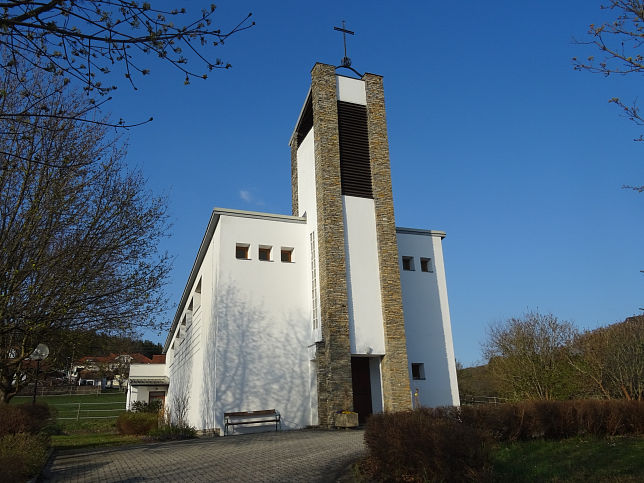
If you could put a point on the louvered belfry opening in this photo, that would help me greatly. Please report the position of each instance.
(355, 167)
(306, 121)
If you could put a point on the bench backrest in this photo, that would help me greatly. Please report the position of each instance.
(250, 414)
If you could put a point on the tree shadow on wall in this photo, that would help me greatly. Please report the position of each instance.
(255, 358)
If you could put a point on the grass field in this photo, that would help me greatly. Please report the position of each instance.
(85, 431)
(74, 398)
(81, 440)
(619, 459)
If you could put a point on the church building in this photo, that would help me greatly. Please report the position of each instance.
(332, 308)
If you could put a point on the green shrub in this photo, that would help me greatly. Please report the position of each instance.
(153, 406)
(426, 444)
(136, 423)
(454, 444)
(557, 419)
(168, 432)
(22, 455)
(26, 418)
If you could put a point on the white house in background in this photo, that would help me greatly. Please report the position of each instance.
(331, 308)
(147, 382)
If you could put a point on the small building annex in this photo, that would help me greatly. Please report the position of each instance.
(331, 308)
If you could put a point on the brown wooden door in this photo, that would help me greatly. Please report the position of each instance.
(157, 395)
(361, 383)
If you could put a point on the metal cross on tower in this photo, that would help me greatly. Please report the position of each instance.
(346, 61)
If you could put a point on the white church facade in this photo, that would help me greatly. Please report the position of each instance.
(330, 309)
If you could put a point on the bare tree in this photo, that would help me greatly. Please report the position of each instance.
(612, 359)
(527, 356)
(79, 232)
(95, 41)
(619, 42)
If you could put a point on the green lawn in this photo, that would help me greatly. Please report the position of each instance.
(108, 397)
(79, 440)
(85, 431)
(619, 459)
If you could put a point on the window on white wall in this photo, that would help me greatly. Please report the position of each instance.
(408, 263)
(286, 254)
(242, 251)
(197, 296)
(417, 370)
(314, 284)
(265, 253)
(426, 265)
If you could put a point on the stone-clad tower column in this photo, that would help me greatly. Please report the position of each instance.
(394, 367)
(334, 352)
(341, 179)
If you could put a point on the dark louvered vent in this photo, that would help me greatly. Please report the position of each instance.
(355, 169)
(306, 121)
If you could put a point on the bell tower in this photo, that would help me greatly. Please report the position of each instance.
(341, 180)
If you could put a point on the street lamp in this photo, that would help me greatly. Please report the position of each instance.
(40, 352)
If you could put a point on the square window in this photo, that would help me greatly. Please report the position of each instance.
(417, 370)
(408, 263)
(287, 254)
(265, 253)
(242, 251)
(426, 265)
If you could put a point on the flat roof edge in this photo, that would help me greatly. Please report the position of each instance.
(297, 123)
(259, 215)
(418, 231)
(203, 248)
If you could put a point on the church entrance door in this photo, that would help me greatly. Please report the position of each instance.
(361, 382)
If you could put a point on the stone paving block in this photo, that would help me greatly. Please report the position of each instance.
(306, 455)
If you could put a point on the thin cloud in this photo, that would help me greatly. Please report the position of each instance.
(246, 196)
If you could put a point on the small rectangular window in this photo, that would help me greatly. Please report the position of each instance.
(197, 295)
(417, 370)
(426, 265)
(408, 263)
(242, 250)
(265, 253)
(287, 254)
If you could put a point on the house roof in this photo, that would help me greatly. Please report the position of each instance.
(112, 357)
(149, 381)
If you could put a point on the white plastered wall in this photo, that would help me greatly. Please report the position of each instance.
(366, 334)
(307, 205)
(141, 393)
(185, 356)
(261, 322)
(208, 396)
(351, 90)
(427, 320)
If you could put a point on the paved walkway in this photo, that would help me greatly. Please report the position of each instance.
(306, 455)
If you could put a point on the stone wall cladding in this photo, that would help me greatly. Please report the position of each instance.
(334, 353)
(394, 368)
(294, 200)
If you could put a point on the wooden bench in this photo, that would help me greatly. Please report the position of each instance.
(252, 417)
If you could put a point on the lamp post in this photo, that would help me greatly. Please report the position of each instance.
(40, 352)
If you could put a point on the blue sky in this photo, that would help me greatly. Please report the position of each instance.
(494, 138)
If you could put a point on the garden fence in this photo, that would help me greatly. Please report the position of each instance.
(83, 410)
